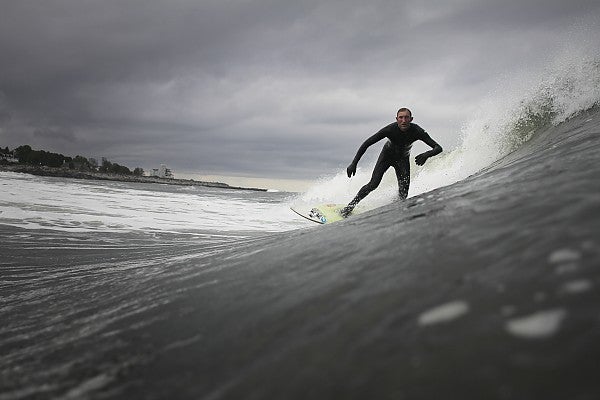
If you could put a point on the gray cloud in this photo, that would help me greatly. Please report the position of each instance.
(275, 89)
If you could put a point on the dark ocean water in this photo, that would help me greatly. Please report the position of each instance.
(488, 288)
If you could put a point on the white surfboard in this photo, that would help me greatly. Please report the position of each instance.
(321, 213)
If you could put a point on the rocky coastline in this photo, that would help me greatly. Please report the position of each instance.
(90, 175)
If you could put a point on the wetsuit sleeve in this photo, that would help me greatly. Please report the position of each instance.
(435, 147)
(370, 141)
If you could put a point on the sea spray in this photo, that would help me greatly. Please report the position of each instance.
(340, 189)
(513, 114)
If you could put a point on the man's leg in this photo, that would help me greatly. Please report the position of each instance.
(402, 168)
(383, 163)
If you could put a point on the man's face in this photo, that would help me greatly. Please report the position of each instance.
(404, 119)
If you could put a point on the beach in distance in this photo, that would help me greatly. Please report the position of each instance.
(67, 173)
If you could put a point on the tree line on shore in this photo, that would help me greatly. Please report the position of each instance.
(26, 155)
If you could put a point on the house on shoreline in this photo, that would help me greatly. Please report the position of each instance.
(162, 172)
(8, 158)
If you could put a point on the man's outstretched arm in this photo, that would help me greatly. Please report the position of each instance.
(435, 150)
(351, 170)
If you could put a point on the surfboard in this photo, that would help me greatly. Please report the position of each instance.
(321, 214)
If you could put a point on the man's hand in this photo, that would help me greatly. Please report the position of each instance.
(351, 170)
(421, 158)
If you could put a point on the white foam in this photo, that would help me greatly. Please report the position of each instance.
(443, 313)
(538, 325)
(35, 202)
(340, 189)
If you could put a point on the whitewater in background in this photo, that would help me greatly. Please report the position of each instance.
(81, 205)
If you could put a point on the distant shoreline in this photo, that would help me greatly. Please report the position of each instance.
(67, 173)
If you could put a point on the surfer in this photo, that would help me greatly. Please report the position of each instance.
(395, 153)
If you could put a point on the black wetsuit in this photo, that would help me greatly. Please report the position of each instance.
(395, 153)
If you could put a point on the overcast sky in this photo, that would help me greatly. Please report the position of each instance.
(258, 88)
